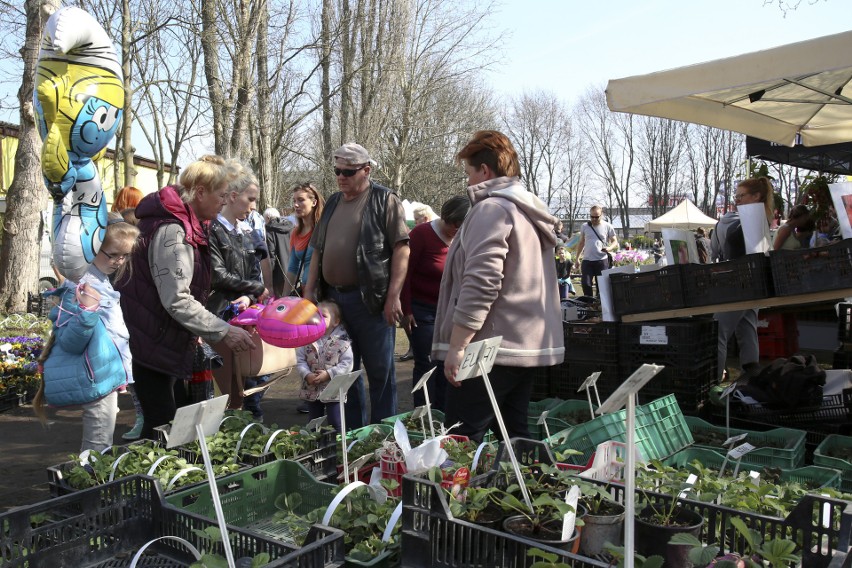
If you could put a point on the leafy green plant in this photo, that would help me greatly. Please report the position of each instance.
(776, 552)
(476, 501)
(212, 535)
(639, 561)
(548, 559)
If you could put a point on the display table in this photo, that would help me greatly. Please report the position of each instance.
(797, 300)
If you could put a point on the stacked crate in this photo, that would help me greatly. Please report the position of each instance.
(589, 347)
(843, 355)
(688, 349)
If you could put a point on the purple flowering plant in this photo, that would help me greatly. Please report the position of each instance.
(19, 363)
(625, 257)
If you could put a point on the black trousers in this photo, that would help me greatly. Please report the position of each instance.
(470, 405)
(160, 396)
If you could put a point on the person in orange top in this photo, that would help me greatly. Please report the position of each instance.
(307, 206)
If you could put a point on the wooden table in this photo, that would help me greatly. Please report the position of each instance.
(797, 300)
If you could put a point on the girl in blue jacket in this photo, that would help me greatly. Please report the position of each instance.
(88, 356)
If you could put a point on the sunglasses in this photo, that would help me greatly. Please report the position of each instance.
(594, 216)
(740, 196)
(347, 173)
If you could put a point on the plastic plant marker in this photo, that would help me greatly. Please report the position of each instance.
(421, 384)
(186, 543)
(591, 383)
(420, 413)
(734, 439)
(543, 420)
(478, 359)
(244, 432)
(335, 391)
(570, 519)
(358, 463)
(754, 478)
(736, 454)
(690, 481)
(624, 395)
(315, 424)
(726, 396)
(349, 488)
(205, 416)
(478, 453)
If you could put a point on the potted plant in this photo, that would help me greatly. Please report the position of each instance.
(775, 553)
(478, 506)
(543, 523)
(603, 522)
(659, 521)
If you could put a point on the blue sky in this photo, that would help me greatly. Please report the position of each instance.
(567, 46)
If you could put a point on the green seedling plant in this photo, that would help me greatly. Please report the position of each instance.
(547, 559)
(775, 553)
(618, 554)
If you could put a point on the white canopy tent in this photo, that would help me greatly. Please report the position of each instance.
(797, 89)
(685, 216)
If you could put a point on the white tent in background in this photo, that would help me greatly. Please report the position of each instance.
(684, 216)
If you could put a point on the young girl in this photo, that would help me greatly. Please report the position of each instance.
(88, 356)
(318, 362)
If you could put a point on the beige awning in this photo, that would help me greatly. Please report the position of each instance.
(801, 88)
(685, 216)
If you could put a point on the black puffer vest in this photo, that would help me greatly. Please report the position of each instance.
(157, 340)
(374, 251)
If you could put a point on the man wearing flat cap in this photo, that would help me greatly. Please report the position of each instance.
(360, 261)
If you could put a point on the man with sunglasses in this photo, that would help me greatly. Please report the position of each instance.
(597, 240)
(360, 261)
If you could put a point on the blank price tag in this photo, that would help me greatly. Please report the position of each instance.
(734, 439)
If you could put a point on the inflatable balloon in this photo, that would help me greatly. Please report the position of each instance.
(285, 322)
(78, 99)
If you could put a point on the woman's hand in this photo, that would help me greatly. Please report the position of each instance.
(408, 323)
(241, 303)
(452, 364)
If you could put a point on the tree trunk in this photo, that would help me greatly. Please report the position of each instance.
(27, 196)
(128, 151)
(210, 46)
(325, 94)
(263, 169)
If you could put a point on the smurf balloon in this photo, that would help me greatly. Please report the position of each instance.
(78, 98)
(285, 322)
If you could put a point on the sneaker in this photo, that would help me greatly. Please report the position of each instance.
(407, 356)
(136, 431)
(303, 408)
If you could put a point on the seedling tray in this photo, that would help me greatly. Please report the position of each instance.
(822, 457)
(779, 447)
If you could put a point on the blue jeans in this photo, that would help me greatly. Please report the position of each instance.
(252, 402)
(421, 346)
(373, 343)
(331, 410)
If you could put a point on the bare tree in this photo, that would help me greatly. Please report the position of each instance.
(611, 141)
(27, 196)
(658, 156)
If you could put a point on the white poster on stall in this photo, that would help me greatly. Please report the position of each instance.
(606, 292)
(680, 246)
(841, 195)
(755, 227)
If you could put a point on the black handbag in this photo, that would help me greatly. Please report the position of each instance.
(205, 358)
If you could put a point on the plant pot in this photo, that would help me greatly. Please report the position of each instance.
(491, 517)
(653, 538)
(549, 532)
(600, 528)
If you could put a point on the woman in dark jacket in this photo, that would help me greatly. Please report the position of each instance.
(236, 281)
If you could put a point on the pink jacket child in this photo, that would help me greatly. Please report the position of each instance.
(318, 362)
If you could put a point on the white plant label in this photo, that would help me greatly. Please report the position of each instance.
(653, 335)
(737, 453)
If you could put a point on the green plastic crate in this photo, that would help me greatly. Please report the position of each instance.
(585, 438)
(248, 500)
(666, 425)
(556, 417)
(534, 413)
(790, 455)
(822, 458)
(815, 475)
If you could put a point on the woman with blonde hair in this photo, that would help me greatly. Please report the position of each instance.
(728, 243)
(163, 303)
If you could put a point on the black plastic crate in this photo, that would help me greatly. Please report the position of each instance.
(809, 270)
(803, 525)
(38, 305)
(746, 278)
(591, 341)
(320, 460)
(540, 383)
(431, 537)
(690, 384)
(679, 343)
(106, 525)
(844, 323)
(659, 289)
(566, 378)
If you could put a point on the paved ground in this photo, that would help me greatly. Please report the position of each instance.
(27, 448)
